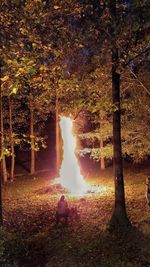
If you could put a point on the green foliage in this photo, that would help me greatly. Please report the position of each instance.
(49, 51)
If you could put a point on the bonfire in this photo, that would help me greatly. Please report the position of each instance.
(70, 178)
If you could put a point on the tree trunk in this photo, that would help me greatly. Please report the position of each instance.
(4, 169)
(1, 201)
(119, 215)
(3, 159)
(11, 141)
(102, 160)
(32, 166)
(57, 139)
(1, 122)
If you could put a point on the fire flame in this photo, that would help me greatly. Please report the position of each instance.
(70, 176)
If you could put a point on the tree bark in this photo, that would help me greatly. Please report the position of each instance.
(1, 201)
(11, 141)
(102, 160)
(3, 159)
(119, 215)
(57, 139)
(4, 170)
(32, 138)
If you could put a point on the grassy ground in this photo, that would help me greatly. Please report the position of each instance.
(30, 237)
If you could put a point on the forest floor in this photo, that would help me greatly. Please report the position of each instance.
(30, 237)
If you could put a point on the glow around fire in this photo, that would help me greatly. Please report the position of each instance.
(70, 176)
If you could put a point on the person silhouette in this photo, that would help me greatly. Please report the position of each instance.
(62, 210)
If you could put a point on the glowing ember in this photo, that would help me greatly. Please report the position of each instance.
(70, 176)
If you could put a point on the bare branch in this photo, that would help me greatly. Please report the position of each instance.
(134, 75)
(137, 55)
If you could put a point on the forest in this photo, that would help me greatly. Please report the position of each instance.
(75, 121)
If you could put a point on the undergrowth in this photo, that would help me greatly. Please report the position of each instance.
(30, 237)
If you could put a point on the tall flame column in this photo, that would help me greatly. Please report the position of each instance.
(70, 176)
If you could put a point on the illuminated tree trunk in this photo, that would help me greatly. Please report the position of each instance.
(11, 141)
(32, 166)
(102, 160)
(119, 215)
(1, 202)
(4, 169)
(3, 159)
(57, 139)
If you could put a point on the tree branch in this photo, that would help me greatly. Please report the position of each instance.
(137, 55)
(145, 88)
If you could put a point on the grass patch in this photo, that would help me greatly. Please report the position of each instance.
(30, 237)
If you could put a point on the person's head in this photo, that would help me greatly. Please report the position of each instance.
(62, 198)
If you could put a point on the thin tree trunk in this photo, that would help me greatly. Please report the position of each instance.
(11, 141)
(4, 169)
(119, 215)
(3, 164)
(32, 166)
(57, 139)
(1, 201)
(102, 160)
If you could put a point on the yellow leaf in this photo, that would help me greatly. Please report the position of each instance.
(14, 90)
(5, 78)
